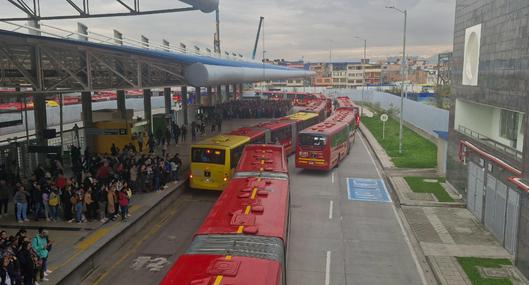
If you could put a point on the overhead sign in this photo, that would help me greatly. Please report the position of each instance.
(44, 149)
(384, 117)
(106, 132)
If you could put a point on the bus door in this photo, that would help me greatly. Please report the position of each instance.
(294, 134)
(268, 136)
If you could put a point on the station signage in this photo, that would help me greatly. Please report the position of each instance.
(106, 132)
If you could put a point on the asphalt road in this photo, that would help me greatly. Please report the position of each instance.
(147, 258)
(333, 240)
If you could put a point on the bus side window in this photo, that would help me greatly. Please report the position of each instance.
(236, 154)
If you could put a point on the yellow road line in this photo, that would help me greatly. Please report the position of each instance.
(247, 210)
(218, 280)
(240, 229)
(93, 238)
(150, 233)
(254, 192)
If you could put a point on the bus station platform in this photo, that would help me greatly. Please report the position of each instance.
(79, 248)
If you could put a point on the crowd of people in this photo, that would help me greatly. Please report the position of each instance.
(254, 109)
(24, 258)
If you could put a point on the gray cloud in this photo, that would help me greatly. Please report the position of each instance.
(293, 28)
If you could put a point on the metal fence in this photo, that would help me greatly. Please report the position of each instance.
(426, 117)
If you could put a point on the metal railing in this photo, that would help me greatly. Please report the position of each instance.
(15, 149)
(103, 39)
(507, 150)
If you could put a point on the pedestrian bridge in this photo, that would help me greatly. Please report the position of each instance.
(55, 60)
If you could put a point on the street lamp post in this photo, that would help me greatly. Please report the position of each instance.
(403, 75)
(363, 72)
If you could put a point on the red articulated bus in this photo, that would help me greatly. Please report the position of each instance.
(324, 145)
(282, 132)
(317, 106)
(345, 103)
(243, 239)
(257, 135)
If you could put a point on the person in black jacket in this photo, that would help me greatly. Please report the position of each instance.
(27, 263)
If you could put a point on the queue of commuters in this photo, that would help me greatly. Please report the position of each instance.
(24, 258)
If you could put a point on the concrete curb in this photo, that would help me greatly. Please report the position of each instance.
(77, 270)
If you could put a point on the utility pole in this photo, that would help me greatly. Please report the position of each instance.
(363, 71)
(216, 40)
(403, 77)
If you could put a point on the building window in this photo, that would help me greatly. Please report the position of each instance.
(509, 125)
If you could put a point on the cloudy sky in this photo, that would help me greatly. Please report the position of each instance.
(293, 28)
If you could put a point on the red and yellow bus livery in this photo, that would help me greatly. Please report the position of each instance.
(244, 237)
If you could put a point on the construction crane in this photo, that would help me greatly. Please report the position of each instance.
(257, 37)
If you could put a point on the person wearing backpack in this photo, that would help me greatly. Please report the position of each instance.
(53, 203)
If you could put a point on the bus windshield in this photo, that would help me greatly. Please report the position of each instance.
(312, 140)
(208, 155)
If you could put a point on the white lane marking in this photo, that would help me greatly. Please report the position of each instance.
(408, 242)
(332, 177)
(328, 268)
(331, 203)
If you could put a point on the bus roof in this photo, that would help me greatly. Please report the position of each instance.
(263, 157)
(276, 124)
(343, 115)
(325, 128)
(235, 212)
(251, 132)
(204, 269)
(224, 141)
(315, 106)
(302, 116)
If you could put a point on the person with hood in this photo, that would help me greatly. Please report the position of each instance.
(27, 263)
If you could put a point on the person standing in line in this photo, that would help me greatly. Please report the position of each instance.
(40, 245)
(184, 132)
(111, 209)
(90, 204)
(124, 204)
(140, 142)
(26, 263)
(101, 197)
(53, 203)
(193, 131)
(4, 197)
(21, 201)
(176, 132)
(168, 135)
(67, 203)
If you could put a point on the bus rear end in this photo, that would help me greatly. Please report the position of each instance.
(210, 168)
(312, 151)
